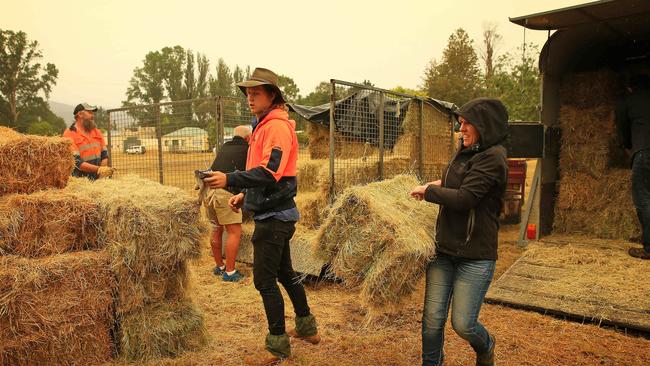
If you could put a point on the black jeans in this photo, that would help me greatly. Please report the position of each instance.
(641, 193)
(272, 263)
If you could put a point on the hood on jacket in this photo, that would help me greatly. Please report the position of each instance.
(490, 118)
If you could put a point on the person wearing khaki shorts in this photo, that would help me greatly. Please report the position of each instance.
(231, 157)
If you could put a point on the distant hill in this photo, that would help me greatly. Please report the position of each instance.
(62, 110)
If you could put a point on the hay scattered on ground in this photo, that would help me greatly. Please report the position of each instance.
(594, 197)
(31, 163)
(48, 222)
(594, 278)
(349, 341)
(376, 236)
(56, 309)
(162, 330)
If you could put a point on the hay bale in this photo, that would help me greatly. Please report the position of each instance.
(588, 139)
(161, 330)
(590, 89)
(375, 236)
(313, 207)
(32, 163)
(47, 223)
(437, 147)
(600, 207)
(160, 226)
(311, 174)
(344, 147)
(56, 309)
(151, 231)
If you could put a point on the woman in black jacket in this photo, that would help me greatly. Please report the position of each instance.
(470, 198)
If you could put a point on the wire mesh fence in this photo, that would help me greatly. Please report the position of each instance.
(378, 134)
(166, 142)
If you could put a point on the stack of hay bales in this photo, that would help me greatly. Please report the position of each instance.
(594, 195)
(437, 144)
(56, 302)
(379, 239)
(83, 265)
(319, 144)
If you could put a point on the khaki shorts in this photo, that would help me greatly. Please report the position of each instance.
(216, 207)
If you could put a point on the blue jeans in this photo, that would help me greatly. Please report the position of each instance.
(463, 283)
(641, 193)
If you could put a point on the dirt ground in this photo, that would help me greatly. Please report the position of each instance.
(236, 324)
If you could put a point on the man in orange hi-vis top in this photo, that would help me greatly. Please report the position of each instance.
(270, 186)
(88, 146)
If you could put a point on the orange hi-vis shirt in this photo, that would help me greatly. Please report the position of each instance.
(274, 145)
(86, 148)
(270, 176)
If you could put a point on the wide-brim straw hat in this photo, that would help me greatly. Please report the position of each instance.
(261, 76)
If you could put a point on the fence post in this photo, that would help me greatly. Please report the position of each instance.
(421, 157)
(220, 122)
(332, 130)
(110, 143)
(217, 131)
(159, 136)
(381, 136)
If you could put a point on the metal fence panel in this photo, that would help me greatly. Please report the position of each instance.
(378, 134)
(166, 142)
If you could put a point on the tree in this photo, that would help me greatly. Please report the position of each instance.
(403, 90)
(223, 84)
(22, 77)
(491, 40)
(516, 83)
(456, 78)
(42, 128)
(320, 95)
(288, 87)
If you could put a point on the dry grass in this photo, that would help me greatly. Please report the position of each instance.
(56, 309)
(594, 198)
(151, 231)
(236, 324)
(376, 236)
(48, 222)
(31, 163)
(577, 265)
(162, 330)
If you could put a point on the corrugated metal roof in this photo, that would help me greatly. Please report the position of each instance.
(602, 11)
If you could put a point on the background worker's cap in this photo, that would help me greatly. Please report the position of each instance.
(83, 107)
(262, 76)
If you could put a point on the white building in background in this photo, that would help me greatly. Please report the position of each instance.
(187, 139)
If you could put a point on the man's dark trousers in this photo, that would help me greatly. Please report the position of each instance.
(272, 263)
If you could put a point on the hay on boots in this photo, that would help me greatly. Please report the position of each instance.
(57, 309)
(31, 163)
(48, 222)
(161, 330)
(376, 236)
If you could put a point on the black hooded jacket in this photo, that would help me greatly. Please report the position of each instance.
(473, 185)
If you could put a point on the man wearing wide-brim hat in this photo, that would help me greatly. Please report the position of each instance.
(270, 187)
(88, 145)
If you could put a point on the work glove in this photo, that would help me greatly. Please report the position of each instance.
(105, 172)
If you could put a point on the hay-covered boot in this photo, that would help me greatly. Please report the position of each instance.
(278, 348)
(487, 358)
(306, 329)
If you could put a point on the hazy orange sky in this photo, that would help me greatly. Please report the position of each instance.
(97, 44)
